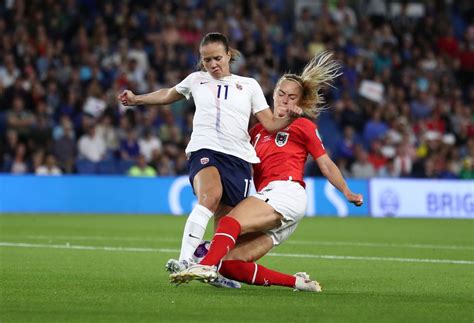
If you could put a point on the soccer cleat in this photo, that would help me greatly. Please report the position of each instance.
(224, 282)
(205, 274)
(304, 283)
(174, 266)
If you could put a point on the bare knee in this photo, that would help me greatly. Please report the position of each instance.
(208, 188)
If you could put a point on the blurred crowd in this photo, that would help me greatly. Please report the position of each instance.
(404, 106)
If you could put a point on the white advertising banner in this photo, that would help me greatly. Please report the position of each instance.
(422, 198)
(372, 90)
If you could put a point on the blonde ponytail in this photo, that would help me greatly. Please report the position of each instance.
(318, 74)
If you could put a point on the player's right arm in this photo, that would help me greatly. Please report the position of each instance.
(160, 97)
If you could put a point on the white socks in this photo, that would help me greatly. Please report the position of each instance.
(194, 231)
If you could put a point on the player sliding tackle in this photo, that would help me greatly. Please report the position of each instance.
(269, 217)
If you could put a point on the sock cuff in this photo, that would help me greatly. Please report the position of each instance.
(200, 215)
(229, 225)
(204, 210)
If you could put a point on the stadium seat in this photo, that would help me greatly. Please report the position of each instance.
(107, 167)
(124, 166)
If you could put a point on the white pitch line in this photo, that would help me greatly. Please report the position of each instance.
(296, 242)
(332, 257)
(289, 255)
(380, 245)
(69, 246)
(97, 238)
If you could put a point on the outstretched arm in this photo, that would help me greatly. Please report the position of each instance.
(272, 123)
(160, 97)
(333, 174)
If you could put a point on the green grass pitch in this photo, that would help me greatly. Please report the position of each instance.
(110, 268)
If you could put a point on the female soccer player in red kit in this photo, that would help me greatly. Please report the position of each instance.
(269, 217)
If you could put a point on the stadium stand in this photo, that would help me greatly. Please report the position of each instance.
(404, 106)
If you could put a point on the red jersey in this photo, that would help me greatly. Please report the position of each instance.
(283, 154)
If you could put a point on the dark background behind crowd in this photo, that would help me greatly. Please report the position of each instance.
(404, 106)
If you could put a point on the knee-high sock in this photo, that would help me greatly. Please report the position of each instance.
(255, 274)
(194, 231)
(224, 239)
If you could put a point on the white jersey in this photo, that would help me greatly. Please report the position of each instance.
(223, 108)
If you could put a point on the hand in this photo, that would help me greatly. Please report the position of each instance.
(294, 111)
(356, 199)
(127, 98)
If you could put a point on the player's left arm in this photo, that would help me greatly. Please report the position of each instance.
(334, 175)
(272, 124)
(329, 169)
(265, 116)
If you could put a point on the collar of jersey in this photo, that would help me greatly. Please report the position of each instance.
(222, 78)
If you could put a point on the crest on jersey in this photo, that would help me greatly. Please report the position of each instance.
(204, 160)
(239, 87)
(281, 138)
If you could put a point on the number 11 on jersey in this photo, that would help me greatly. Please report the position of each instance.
(226, 87)
(248, 182)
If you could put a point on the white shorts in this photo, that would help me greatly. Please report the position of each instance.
(289, 199)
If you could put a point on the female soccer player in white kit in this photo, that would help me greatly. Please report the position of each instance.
(219, 151)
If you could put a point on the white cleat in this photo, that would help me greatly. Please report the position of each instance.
(224, 282)
(203, 273)
(304, 283)
(175, 266)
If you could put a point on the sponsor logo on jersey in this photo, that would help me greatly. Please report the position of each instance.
(204, 160)
(281, 138)
(239, 87)
(267, 138)
(204, 82)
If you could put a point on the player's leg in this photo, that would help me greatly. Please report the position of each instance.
(268, 211)
(239, 264)
(219, 181)
(255, 274)
(222, 210)
(224, 239)
(250, 215)
(208, 190)
(236, 178)
(222, 281)
(250, 247)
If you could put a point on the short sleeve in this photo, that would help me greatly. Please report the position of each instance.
(184, 87)
(314, 143)
(259, 102)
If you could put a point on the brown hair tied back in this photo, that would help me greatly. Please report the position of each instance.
(222, 39)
